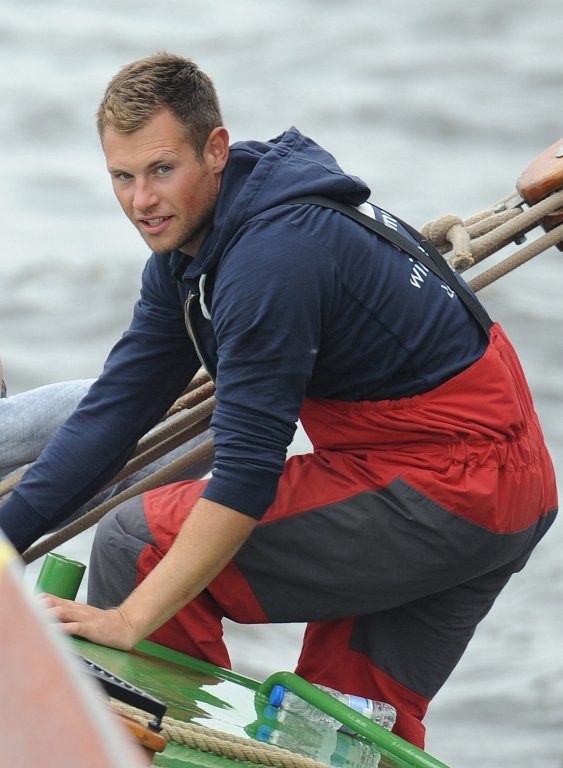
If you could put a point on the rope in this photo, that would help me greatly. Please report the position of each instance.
(177, 438)
(466, 243)
(553, 237)
(11, 480)
(160, 440)
(437, 230)
(161, 477)
(488, 223)
(199, 382)
(164, 438)
(509, 230)
(499, 205)
(206, 739)
(460, 236)
(176, 430)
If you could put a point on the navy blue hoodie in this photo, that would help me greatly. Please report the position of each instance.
(282, 302)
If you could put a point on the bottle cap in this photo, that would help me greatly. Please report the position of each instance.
(263, 733)
(276, 695)
(270, 712)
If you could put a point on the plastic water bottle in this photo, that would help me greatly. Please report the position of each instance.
(293, 732)
(377, 711)
(318, 741)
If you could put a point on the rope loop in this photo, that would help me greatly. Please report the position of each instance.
(462, 260)
(437, 230)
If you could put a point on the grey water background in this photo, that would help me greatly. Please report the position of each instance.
(438, 105)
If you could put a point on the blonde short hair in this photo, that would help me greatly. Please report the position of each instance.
(162, 81)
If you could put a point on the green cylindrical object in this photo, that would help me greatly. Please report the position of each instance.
(60, 576)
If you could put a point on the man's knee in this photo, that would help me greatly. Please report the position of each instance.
(120, 538)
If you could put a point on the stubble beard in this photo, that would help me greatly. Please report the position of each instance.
(194, 235)
(195, 231)
(189, 241)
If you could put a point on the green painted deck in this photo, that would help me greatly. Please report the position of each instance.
(198, 692)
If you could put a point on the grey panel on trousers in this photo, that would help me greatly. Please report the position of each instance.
(120, 538)
(420, 643)
(369, 553)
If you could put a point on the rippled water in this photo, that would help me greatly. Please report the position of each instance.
(439, 105)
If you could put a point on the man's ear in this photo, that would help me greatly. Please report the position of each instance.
(216, 150)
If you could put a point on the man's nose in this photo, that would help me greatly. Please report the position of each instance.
(144, 198)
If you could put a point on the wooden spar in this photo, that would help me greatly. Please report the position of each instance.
(542, 178)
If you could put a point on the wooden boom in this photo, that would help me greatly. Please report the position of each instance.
(543, 177)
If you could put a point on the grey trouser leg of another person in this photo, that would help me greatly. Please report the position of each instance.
(120, 538)
(30, 419)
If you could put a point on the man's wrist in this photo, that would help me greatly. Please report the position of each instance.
(133, 635)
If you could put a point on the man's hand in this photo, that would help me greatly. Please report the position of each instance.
(109, 627)
(209, 538)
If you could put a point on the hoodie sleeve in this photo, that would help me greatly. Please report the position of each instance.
(274, 294)
(145, 372)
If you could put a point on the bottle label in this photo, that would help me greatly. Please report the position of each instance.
(361, 705)
(358, 704)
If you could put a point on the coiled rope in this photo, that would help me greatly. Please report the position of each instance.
(206, 739)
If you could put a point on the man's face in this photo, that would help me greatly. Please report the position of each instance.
(164, 189)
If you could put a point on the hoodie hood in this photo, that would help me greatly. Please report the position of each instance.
(261, 175)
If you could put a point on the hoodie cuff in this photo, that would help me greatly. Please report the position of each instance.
(20, 522)
(248, 493)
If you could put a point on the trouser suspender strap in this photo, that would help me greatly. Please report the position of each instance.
(424, 252)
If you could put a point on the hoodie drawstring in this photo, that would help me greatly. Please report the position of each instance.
(204, 310)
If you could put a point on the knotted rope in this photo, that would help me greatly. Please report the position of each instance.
(206, 739)
(466, 243)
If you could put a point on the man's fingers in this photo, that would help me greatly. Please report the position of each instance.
(50, 601)
(76, 629)
(106, 627)
(64, 610)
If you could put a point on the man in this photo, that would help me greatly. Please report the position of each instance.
(429, 484)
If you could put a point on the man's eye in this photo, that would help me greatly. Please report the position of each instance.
(163, 169)
(122, 176)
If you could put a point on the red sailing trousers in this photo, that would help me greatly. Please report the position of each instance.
(392, 539)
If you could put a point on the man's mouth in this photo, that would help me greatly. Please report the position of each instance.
(154, 225)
